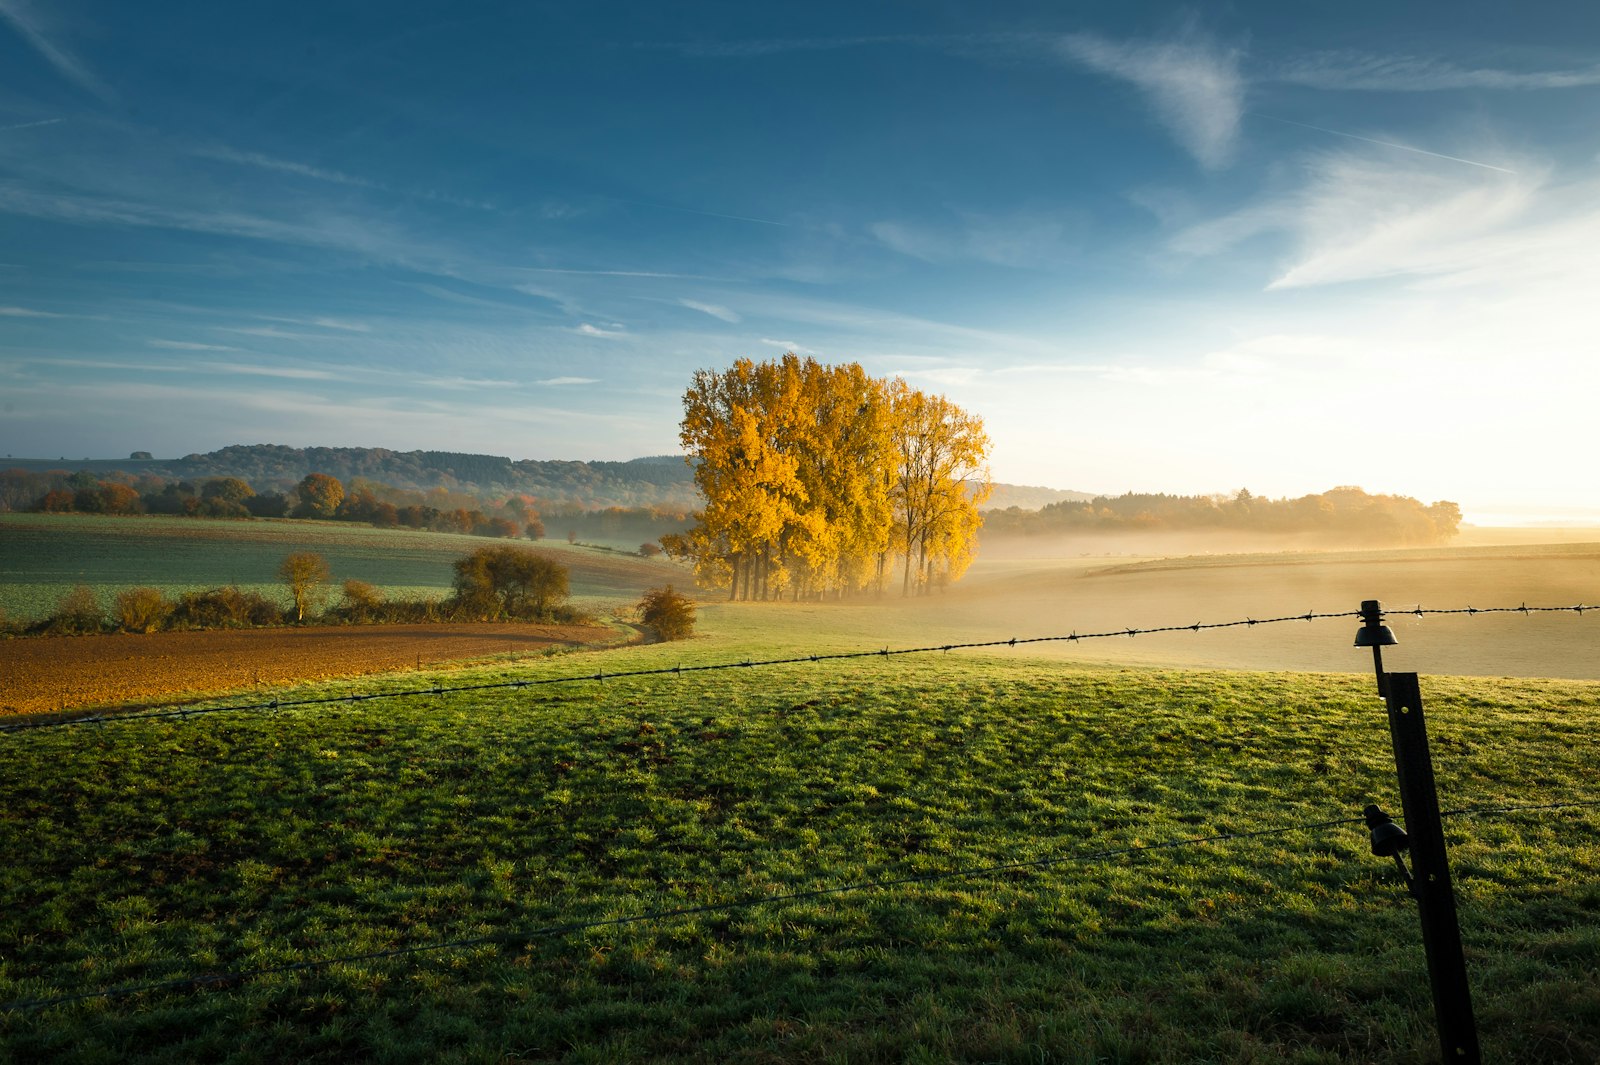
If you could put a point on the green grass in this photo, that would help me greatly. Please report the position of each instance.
(139, 851)
(47, 554)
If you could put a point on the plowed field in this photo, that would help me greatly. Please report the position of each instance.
(65, 672)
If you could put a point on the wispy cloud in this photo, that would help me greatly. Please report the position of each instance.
(31, 125)
(27, 312)
(188, 345)
(463, 383)
(1385, 144)
(290, 372)
(1368, 216)
(557, 382)
(22, 18)
(268, 331)
(715, 310)
(295, 373)
(285, 166)
(1019, 239)
(1192, 81)
(620, 273)
(1344, 71)
(341, 232)
(335, 177)
(344, 325)
(595, 331)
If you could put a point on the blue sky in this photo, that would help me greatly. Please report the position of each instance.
(1280, 246)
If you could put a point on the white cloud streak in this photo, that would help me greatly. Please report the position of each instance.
(595, 331)
(1192, 82)
(27, 312)
(22, 19)
(1355, 71)
(1385, 144)
(31, 125)
(187, 345)
(715, 310)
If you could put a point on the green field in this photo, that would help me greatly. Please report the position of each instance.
(141, 851)
(45, 555)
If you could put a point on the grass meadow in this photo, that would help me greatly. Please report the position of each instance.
(45, 555)
(524, 821)
(147, 850)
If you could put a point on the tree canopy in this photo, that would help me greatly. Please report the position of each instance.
(816, 479)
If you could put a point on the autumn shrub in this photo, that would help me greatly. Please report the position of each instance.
(77, 613)
(141, 609)
(361, 603)
(670, 614)
(649, 549)
(225, 608)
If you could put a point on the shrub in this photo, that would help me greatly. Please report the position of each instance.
(649, 549)
(362, 602)
(77, 612)
(225, 608)
(509, 582)
(670, 614)
(534, 530)
(141, 609)
(503, 527)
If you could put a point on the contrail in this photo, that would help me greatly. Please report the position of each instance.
(1386, 144)
(30, 125)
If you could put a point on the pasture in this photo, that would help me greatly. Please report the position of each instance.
(45, 555)
(550, 833)
(150, 850)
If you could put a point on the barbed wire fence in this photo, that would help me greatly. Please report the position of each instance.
(188, 711)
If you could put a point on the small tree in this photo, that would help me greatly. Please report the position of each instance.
(304, 572)
(649, 549)
(510, 582)
(670, 614)
(141, 609)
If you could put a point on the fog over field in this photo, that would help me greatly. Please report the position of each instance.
(1009, 596)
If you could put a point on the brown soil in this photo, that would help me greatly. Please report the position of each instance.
(65, 672)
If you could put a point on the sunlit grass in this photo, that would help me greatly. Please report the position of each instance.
(146, 850)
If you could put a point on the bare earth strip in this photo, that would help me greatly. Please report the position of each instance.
(64, 672)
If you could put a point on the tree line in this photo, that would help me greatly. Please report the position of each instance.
(584, 485)
(323, 496)
(1346, 515)
(821, 481)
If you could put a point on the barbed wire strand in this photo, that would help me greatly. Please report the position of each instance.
(173, 711)
(216, 979)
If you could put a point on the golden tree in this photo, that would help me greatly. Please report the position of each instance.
(814, 475)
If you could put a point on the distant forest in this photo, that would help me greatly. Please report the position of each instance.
(1343, 515)
(649, 497)
(659, 481)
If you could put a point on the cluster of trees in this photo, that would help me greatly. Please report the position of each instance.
(1342, 515)
(819, 480)
(494, 583)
